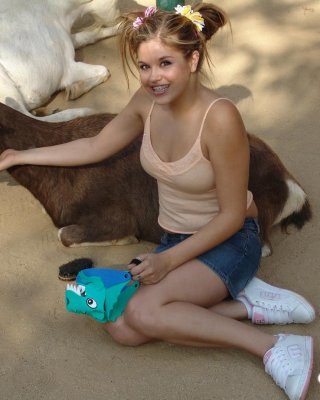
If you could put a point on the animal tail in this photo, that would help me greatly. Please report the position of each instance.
(297, 209)
(298, 219)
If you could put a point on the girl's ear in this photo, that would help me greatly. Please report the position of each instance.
(194, 60)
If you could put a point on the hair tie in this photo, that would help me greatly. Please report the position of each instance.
(194, 17)
(147, 13)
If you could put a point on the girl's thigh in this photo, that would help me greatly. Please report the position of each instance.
(192, 282)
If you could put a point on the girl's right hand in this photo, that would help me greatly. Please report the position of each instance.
(8, 159)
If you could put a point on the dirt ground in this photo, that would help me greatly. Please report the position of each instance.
(270, 68)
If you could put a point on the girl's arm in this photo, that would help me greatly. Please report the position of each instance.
(227, 147)
(117, 134)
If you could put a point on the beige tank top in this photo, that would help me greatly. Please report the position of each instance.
(187, 193)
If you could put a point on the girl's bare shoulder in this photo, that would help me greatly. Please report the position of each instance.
(224, 118)
(141, 103)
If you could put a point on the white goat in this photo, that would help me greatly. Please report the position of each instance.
(37, 51)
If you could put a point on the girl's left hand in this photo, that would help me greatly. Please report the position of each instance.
(151, 270)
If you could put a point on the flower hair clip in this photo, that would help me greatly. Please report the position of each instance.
(195, 17)
(147, 13)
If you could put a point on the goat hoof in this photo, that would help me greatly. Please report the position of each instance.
(77, 89)
(71, 235)
(77, 236)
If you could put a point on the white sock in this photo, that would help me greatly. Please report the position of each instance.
(247, 305)
(280, 337)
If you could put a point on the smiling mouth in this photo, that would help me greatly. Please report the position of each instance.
(160, 89)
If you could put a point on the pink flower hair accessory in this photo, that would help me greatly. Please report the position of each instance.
(148, 12)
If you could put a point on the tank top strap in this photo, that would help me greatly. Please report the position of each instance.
(148, 120)
(208, 109)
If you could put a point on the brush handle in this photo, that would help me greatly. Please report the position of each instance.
(135, 261)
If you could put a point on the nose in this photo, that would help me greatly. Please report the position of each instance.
(155, 75)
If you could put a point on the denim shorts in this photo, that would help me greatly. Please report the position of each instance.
(235, 261)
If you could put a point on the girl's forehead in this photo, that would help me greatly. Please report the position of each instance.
(156, 48)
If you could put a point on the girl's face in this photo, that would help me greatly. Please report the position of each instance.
(164, 71)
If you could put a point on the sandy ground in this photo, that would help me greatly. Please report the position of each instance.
(270, 68)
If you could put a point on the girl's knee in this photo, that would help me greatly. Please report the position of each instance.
(123, 334)
(140, 315)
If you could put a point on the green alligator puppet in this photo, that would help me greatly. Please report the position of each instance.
(102, 293)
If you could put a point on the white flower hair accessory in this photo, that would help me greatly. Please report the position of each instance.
(194, 17)
(147, 13)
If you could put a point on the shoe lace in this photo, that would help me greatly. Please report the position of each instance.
(275, 313)
(279, 367)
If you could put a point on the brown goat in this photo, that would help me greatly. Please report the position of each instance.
(116, 198)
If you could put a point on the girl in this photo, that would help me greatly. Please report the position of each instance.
(195, 145)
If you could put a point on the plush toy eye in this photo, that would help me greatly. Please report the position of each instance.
(91, 303)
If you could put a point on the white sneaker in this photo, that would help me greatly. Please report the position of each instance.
(290, 363)
(268, 304)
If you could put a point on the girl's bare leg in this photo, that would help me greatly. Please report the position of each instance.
(128, 336)
(122, 333)
(176, 310)
(230, 308)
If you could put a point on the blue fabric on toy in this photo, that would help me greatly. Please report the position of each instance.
(102, 293)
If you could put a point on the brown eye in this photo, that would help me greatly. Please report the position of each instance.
(143, 67)
(165, 63)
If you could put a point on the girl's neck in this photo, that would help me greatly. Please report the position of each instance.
(187, 100)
